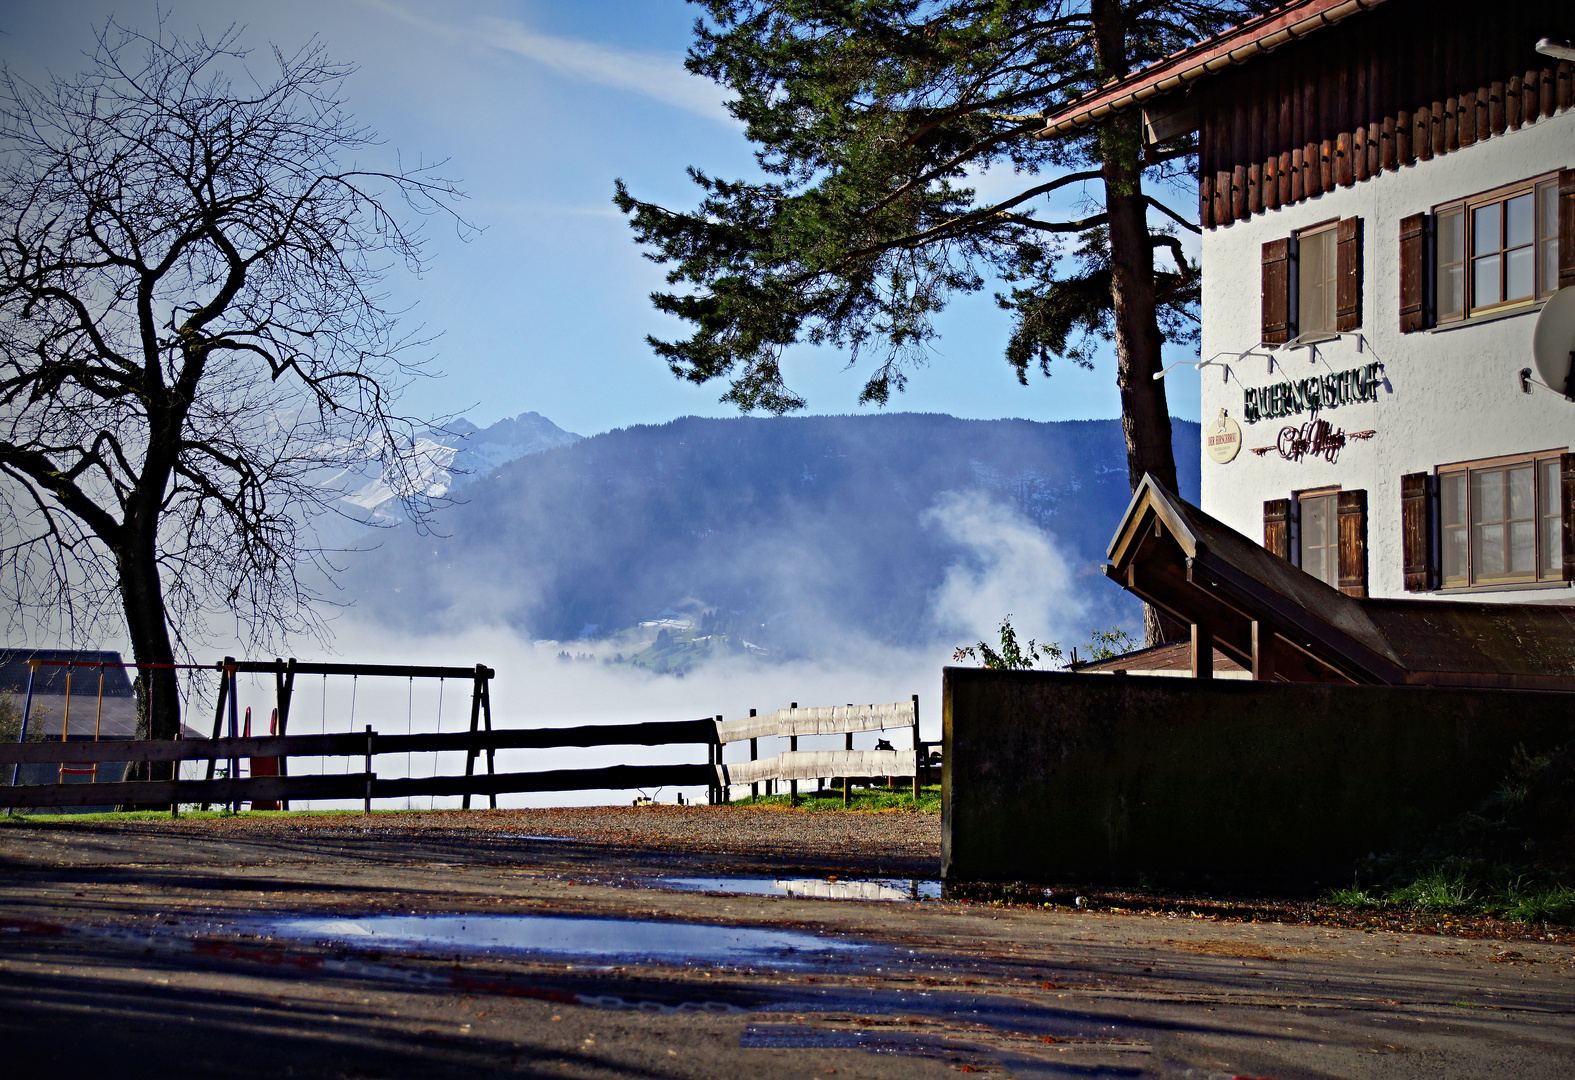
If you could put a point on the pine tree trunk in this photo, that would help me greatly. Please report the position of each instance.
(1145, 415)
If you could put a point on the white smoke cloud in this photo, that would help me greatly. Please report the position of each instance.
(1010, 567)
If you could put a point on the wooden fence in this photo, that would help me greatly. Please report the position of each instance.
(795, 764)
(715, 775)
(364, 785)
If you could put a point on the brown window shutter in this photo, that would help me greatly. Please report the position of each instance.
(1566, 229)
(1413, 273)
(1348, 291)
(1416, 530)
(1567, 512)
(1277, 292)
(1353, 543)
(1277, 526)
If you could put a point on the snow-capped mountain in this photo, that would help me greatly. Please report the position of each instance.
(440, 463)
(478, 451)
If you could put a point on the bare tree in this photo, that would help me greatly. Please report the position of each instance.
(191, 333)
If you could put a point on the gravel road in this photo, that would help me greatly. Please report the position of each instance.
(148, 949)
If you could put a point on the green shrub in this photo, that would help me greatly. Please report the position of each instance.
(1438, 890)
(1353, 897)
(1553, 904)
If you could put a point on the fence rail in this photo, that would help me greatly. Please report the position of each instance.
(276, 750)
(365, 785)
(795, 765)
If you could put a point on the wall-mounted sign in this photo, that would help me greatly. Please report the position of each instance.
(1316, 437)
(1222, 439)
(1312, 393)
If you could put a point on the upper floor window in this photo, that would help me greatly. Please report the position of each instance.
(1312, 283)
(1498, 249)
(1316, 282)
(1489, 252)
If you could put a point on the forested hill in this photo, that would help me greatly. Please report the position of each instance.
(797, 531)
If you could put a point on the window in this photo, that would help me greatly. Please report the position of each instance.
(1499, 521)
(1320, 537)
(1497, 249)
(1317, 281)
(1312, 283)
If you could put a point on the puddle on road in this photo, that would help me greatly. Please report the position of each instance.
(887, 889)
(590, 939)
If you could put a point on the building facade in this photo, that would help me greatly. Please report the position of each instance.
(1387, 196)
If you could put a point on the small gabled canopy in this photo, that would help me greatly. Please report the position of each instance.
(1279, 622)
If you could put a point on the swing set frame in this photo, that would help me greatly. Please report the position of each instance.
(284, 673)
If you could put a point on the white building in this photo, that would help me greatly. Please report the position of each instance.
(1387, 195)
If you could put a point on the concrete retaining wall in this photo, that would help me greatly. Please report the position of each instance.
(1061, 777)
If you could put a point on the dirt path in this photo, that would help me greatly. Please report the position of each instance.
(141, 949)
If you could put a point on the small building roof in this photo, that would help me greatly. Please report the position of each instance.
(1259, 35)
(1200, 570)
(51, 678)
(1171, 658)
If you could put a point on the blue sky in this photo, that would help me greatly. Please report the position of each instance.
(537, 107)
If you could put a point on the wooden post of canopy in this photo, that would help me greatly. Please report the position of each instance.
(1262, 652)
(1202, 652)
(918, 750)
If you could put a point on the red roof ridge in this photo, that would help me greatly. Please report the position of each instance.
(1254, 37)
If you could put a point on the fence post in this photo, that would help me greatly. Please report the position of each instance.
(235, 731)
(367, 809)
(218, 714)
(27, 712)
(793, 749)
(724, 791)
(918, 750)
(754, 746)
(475, 718)
(484, 675)
(174, 770)
(284, 689)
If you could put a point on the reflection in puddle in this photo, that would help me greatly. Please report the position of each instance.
(626, 939)
(818, 888)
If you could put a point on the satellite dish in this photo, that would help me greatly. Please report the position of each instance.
(1553, 341)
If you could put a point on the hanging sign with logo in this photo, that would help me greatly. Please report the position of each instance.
(1312, 393)
(1317, 438)
(1222, 439)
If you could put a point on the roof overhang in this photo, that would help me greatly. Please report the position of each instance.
(1285, 24)
(1202, 572)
